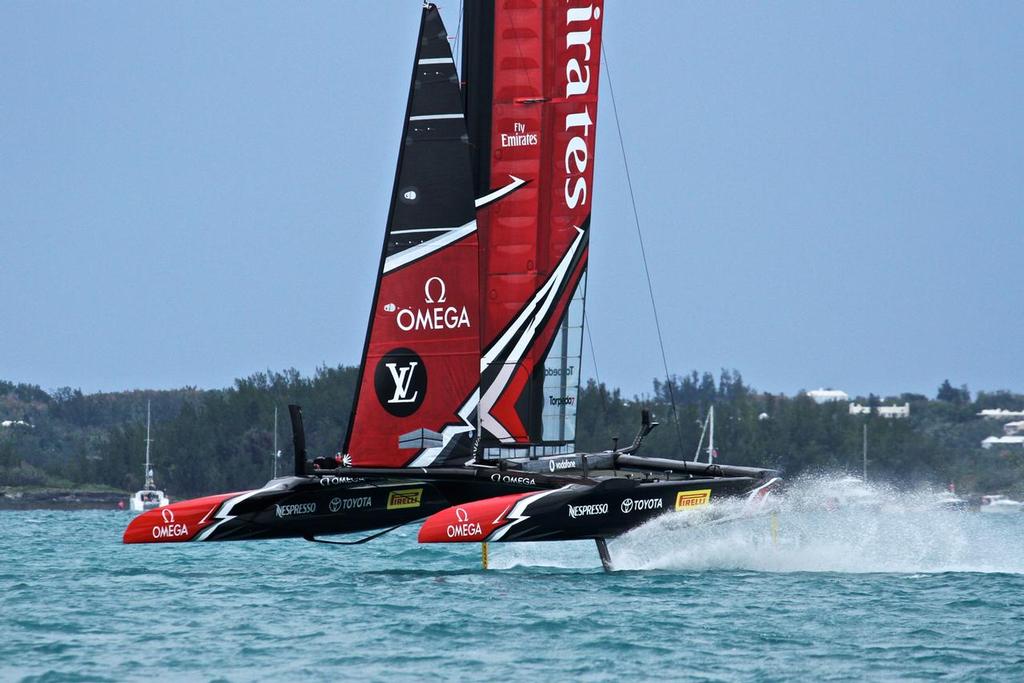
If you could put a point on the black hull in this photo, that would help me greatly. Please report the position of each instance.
(307, 507)
(606, 513)
(269, 516)
(514, 505)
(602, 510)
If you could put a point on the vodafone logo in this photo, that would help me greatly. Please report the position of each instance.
(169, 528)
(463, 528)
(435, 314)
(555, 465)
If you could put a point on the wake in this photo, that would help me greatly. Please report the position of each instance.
(873, 529)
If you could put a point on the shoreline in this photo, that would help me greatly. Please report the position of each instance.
(16, 498)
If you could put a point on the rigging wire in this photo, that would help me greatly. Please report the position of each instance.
(593, 355)
(456, 53)
(597, 373)
(643, 251)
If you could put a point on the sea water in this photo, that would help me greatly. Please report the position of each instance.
(897, 591)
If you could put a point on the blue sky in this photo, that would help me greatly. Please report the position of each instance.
(831, 193)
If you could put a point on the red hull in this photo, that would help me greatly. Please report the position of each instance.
(175, 523)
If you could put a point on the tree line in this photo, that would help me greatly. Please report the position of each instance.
(210, 441)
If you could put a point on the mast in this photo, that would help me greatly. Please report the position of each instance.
(149, 472)
(864, 445)
(711, 436)
(700, 443)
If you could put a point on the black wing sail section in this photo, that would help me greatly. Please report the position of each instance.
(421, 361)
(477, 83)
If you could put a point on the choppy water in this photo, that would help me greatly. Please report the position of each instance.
(902, 593)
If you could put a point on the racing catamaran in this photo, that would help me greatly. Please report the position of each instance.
(466, 400)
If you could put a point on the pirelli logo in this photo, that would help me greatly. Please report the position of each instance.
(692, 499)
(406, 498)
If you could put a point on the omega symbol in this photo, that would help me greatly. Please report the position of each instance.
(441, 290)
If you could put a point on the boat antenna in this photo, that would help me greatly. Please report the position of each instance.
(711, 435)
(277, 453)
(643, 252)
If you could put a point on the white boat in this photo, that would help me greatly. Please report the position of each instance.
(844, 493)
(853, 492)
(999, 504)
(149, 496)
(948, 500)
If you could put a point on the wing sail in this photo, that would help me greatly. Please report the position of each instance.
(420, 367)
(531, 102)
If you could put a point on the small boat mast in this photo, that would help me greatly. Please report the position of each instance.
(149, 484)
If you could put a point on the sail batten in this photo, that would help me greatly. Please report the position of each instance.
(436, 117)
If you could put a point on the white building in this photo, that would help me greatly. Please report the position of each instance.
(828, 395)
(1011, 428)
(1001, 414)
(993, 441)
(883, 411)
(895, 411)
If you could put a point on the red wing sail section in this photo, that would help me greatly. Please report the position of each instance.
(420, 368)
(532, 116)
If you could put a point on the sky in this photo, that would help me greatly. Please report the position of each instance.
(831, 194)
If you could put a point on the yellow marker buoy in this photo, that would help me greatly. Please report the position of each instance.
(483, 554)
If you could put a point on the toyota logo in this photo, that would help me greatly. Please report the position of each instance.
(335, 504)
(167, 515)
(461, 515)
(627, 506)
